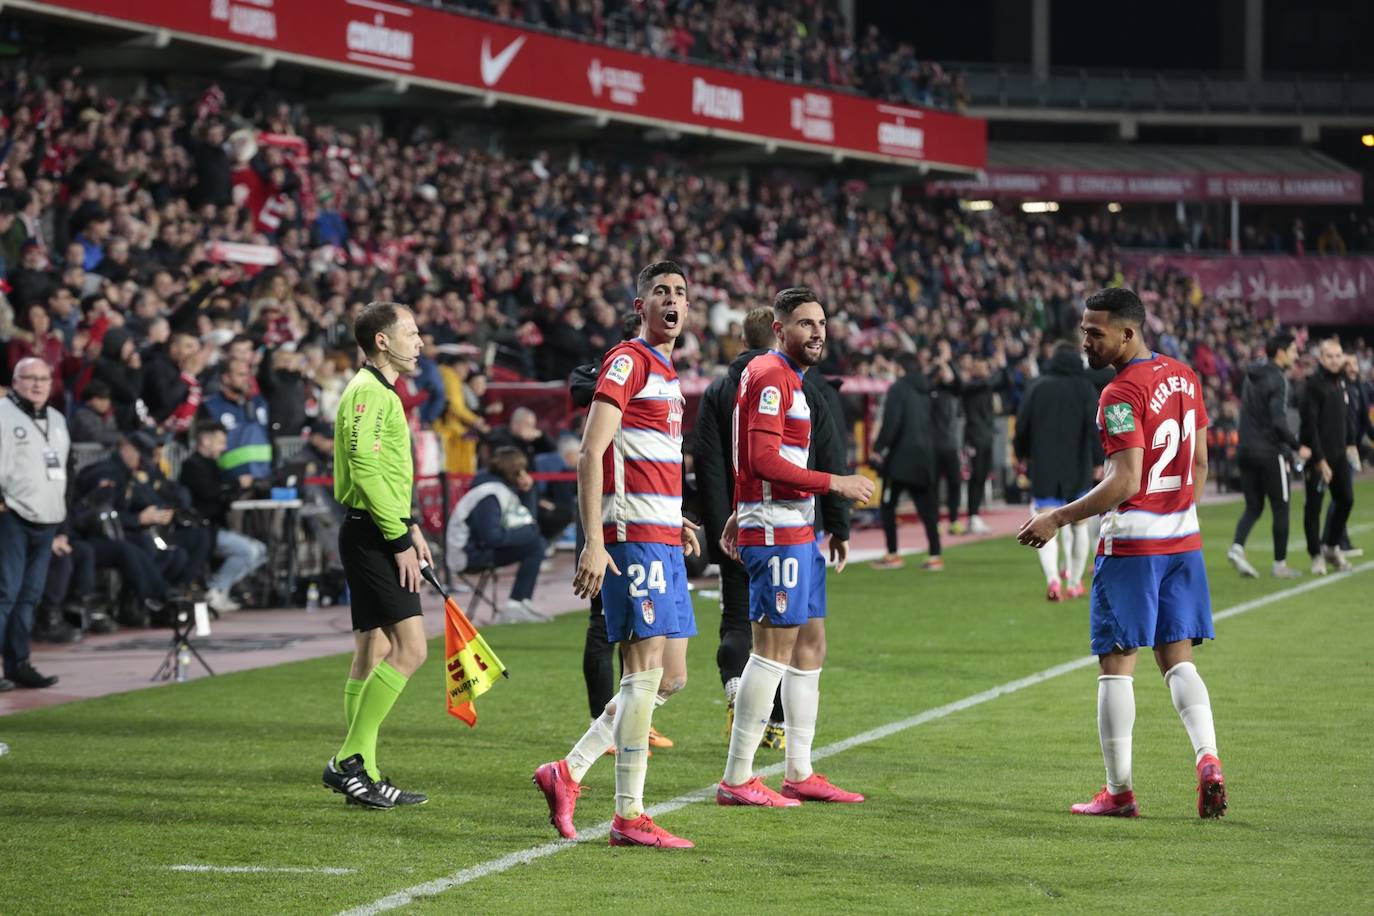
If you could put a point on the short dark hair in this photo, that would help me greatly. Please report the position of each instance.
(1278, 343)
(1065, 346)
(374, 319)
(630, 325)
(97, 388)
(656, 270)
(786, 302)
(507, 462)
(208, 427)
(758, 327)
(1122, 304)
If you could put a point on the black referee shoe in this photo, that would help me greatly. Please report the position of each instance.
(350, 780)
(398, 797)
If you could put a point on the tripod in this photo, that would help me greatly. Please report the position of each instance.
(182, 625)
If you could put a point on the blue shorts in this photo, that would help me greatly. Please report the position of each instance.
(650, 596)
(1149, 601)
(786, 584)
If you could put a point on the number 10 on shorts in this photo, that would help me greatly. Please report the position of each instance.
(657, 582)
(785, 571)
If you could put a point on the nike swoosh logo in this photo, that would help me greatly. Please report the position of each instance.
(493, 68)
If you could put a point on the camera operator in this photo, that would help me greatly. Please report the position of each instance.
(33, 482)
(211, 493)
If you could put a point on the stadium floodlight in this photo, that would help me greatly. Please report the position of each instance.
(1040, 206)
(1367, 139)
(1113, 207)
(977, 206)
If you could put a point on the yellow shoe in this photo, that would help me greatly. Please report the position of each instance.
(774, 737)
(729, 718)
(658, 739)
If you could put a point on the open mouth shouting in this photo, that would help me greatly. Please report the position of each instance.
(671, 318)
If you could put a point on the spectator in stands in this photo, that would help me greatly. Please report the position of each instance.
(33, 482)
(211, 495)
(523, 434)
(311, 472)
(94, 421)
(244, 415)
(282, 383)
(31, 279)
(65, 313)
(41, 342)
(121, 369)
(557, 499)
(461, 424)
(492, 527)
(70, 591)
(171, 388)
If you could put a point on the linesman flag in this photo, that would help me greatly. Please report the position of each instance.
(470, 667)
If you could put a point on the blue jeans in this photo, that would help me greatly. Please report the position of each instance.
(242, 555)
(24, 553)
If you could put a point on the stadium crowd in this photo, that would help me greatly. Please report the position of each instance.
(794, 40)
(187, 270)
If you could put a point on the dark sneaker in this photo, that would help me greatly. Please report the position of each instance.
(398, 797)
(6, 684)
(26, 676)
(350, 780)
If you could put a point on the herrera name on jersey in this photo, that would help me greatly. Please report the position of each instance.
(641, 472)
(1155, 405)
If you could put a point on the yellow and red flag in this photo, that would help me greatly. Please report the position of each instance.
(470, 667)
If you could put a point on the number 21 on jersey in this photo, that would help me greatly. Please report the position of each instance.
(1169, 436)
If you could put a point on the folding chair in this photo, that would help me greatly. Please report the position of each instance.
(482, 582)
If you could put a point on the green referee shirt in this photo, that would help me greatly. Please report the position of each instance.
(372, 464)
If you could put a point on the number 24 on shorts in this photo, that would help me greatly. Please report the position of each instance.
(657, 582)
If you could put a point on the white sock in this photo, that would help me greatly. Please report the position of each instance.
(801, 697)
(659, 700)
(753, 705)
(633, 715)
(1194, 707)
(593, 744)
(1078, 559)
(1115, 719)
(1049, 559)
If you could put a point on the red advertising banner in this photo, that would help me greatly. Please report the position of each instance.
(453, 51)
(1031, 184)
(1299, 290)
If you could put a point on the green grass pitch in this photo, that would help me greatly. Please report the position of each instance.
(966, 813)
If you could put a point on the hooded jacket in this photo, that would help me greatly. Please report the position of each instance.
(906, 439)
(1056, 430)
(1264, 429)
(126, 382)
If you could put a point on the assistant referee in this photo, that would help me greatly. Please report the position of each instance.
(381, 548)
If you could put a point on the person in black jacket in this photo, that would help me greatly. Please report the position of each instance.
(986, 378)
(905, 454)
(1362, 428)
(715, 478)
(121, 368)
(1267, 444)
(211, 495)
(944, 411)
(1327, 431)
(1056, 436)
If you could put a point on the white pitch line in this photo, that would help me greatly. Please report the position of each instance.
(259, 869)
(525, 856)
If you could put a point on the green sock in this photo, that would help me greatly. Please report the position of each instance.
(378, 695)
(353, 689)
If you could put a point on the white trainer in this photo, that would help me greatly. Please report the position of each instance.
(1237, 557)
(977, 526)
(221, 603)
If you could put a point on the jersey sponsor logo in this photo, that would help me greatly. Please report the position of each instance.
(1119, 419)
(361, 408)
(770, 400)
(620, 368)
(646, 609)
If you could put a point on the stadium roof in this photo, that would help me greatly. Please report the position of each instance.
(1163, 159)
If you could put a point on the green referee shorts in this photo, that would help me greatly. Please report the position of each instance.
(374, 579)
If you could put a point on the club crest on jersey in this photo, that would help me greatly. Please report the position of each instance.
(646, 609)
(619, 369)
(770, 400)
(780, 602)
(1119, 419)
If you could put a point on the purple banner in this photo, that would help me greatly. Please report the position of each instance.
(1069, 184)
(1300, 290)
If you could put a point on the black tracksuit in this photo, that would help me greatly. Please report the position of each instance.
(980, 418)
(1266, 445)
(715, 475)
(1056, 431)
(906, 451)
(1326, 430)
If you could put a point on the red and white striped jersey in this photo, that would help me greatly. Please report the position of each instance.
(1155, 405)
(773, 421)
(641, 470)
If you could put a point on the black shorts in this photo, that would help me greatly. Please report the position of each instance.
(374, 579)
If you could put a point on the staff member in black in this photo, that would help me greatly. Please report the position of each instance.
(906, 457)
(1327, 431)
(986, 379)
(712, 454)
(1266, 442)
